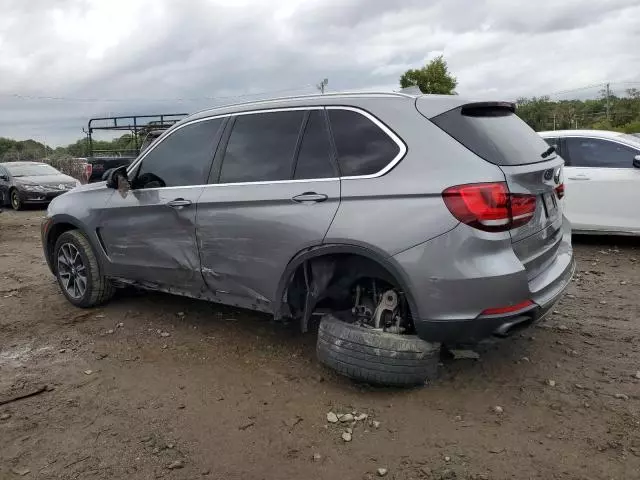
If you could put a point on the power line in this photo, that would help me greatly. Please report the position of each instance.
(602, 85)
(128, 100)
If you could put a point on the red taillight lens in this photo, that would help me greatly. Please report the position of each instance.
(560, 190)
(509, 309)
(489, 206)
(88, 170)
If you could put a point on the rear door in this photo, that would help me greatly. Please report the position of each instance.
(494, 132)
(149, 231)
(274, 191)
(603, 188)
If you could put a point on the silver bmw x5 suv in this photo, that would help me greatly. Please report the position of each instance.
(391, 223)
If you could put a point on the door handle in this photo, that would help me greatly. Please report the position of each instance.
(579, 177)
(311, 197)
(179, 203)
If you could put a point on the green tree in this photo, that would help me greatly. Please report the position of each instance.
(633, 93)
(632, 127)
(434, 77)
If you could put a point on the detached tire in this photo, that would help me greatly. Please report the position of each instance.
(374, 356)
(78, 272)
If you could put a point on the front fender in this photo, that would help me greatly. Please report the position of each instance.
(53, 226)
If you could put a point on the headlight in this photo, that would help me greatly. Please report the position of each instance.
(34, 188)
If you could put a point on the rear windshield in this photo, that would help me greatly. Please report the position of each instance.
(494, 133)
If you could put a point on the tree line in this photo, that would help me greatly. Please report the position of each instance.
(31, 150)
(609, 112)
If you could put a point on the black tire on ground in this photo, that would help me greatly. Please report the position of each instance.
(99, 289)
(15, 200)
(374, 356)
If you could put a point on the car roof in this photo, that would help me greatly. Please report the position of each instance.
(581, 133)
(442, 102)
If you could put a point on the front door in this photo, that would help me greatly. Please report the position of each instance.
(277, 192)
(602, 187)
(148, 231)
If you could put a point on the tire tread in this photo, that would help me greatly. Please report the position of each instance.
(374, 356)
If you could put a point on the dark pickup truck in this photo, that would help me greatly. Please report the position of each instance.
(144, 130)
(99, 165)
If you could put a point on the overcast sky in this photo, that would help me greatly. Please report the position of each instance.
(114, 57)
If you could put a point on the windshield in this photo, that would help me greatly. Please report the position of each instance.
(31, 170)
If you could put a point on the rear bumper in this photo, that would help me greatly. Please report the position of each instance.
(453, 278)
(479, 328)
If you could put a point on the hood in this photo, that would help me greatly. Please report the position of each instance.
(46, 180)
(90, 186)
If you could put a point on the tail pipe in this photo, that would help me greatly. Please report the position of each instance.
(513, 325)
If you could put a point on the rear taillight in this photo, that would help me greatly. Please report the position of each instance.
(560, 190)
(489, 206)
(88, 170)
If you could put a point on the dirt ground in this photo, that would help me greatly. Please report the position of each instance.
(152, 381)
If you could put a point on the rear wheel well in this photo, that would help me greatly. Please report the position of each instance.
(326, 283)
(52, 237)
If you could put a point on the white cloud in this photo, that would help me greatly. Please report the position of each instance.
(140, 56)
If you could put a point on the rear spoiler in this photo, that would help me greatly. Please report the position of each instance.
(433, 105)
(470, 107)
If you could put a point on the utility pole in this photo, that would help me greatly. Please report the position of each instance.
(322, 85)
(554, 120)
(608, 94)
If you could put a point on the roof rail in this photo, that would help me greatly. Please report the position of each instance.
(308, 96)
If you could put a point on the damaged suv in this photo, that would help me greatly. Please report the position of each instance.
(392, 223)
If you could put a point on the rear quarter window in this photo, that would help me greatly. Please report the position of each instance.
(496, 134)
(363, 147)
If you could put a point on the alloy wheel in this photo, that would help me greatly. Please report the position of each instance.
(72, 271)
(15, 200)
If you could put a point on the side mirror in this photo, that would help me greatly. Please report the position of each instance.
(107, 173)
(111, 176)
(636, 161)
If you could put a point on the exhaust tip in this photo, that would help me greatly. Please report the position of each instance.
(508, 328)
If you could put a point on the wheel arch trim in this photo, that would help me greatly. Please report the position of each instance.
(62, 219)
(338, 248)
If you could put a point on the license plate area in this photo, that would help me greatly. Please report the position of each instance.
(550, 205)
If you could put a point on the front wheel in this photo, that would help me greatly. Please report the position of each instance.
(16, 203)
(78, 272)
(374, 356)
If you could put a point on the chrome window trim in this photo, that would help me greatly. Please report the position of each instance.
(402, 148)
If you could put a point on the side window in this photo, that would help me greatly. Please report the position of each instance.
(553, 142)
(314, 159)
(261, 147)
(595, 152)
(183, 158)
(363, 147)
